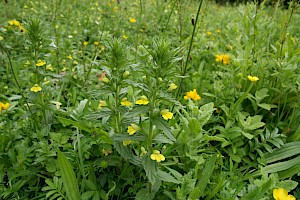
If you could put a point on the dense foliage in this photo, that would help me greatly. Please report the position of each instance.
(149, 99)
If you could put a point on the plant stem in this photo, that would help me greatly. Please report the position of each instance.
(184, 68)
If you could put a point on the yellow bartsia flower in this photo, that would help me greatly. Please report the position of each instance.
(166, 114)
(142, 101)
(132, 129)
(125, 102)
(40, 63)
(157, 156)
(36, 88)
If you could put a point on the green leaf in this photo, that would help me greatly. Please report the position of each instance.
(266, 106)
(194, 126)
(280, 166)
(286, 151)
(261, 94)
(213, 138)
(164, 126)
(161, 139)
(144, 194)
(68, 177)
(164, 176)
(150, 168)
(206, 174)
(287, 184)
(247, 135)
(260, 192)
(67, 122)
(136, 111)
(205, 113)
(251, 123)
(110, 191)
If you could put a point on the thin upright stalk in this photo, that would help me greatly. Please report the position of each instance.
(184, 68)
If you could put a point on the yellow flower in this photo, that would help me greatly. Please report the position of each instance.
(218, 31)
(219, 58)
(282, 194)
(102, 104)
(57, 104)
(208, 33)
(96, 43)
(40, 63)
(157, 156)
(125, 102)
(49, 67)
(36, 88)
(14, 22)
(116, 8)
(224, 58)
(70, 57)
(192, 95)
(105, 80)
(253, 78)
(132, 129)
(126, 142)
(172, 86)
(142, 101)
(132, 20)
(125, 37)
(4, 106)
(85, 43)
(166, 114)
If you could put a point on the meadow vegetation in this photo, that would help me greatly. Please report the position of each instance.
(149, 99)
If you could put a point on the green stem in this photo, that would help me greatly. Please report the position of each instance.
(184, 69)
(241, 99)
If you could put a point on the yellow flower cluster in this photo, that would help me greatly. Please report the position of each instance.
(282, 194)
(192, 95)
(157, 156)
(16, 23)
(4, 106)
(224, 58)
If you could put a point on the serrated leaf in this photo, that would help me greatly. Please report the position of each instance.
(150, 168)
(287, 184)
(164, 176)
(161, 139)
(194, 126)
(205, 113)
(266, 106)
(261, 94)
(164, 126)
